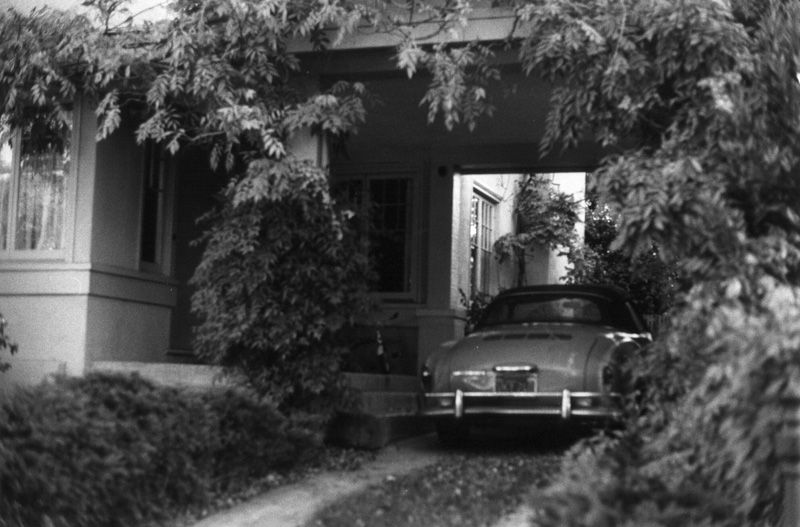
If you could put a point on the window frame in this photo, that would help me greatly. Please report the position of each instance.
(366, 174)
(11, 253)
(165, 208)
(491, 202)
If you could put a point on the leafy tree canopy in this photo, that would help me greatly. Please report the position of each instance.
(217, 73)
(697, 101)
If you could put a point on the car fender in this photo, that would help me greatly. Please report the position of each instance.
(613, 350)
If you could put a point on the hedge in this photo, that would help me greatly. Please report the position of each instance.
(116, 450)
(699, 448)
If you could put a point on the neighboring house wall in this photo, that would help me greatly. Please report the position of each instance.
(499, 191)
(550, 267)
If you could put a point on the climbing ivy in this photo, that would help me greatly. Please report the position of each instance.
(545, 219)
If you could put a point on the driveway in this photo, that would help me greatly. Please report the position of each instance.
(295, 505)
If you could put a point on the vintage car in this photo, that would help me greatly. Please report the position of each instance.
(539, 355)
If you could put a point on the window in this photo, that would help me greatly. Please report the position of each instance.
(481, 234)
(560, 308)
(34, 179)
(153, 247)
(385, 202)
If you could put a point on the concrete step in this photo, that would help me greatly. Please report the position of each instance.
(389, 403)
(170, 374)
(374, 382)
(389, 412)
(375, 431)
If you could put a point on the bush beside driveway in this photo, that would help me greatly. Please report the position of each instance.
(113, 450)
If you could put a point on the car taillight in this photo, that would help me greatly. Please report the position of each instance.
(426, 378)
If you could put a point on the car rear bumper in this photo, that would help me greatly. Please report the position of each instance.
(565, 404)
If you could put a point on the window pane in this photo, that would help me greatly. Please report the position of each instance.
(390, 232)
(43, 172)
(385, 205)
(6, 175)
(152, 205)
(481, 240)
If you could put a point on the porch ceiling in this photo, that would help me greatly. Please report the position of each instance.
(398, 124)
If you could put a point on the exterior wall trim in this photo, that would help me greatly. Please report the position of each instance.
(86, 280)
(440, 313)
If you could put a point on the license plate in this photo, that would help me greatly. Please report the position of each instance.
(517, 383)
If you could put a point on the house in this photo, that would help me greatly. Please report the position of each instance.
(96, 250)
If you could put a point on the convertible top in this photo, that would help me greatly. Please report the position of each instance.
(611, 306)
(608, 291)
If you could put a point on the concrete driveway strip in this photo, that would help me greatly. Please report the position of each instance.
(295, 505)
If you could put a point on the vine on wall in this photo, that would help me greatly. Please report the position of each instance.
(546, 219)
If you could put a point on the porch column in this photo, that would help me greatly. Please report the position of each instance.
(438, 319)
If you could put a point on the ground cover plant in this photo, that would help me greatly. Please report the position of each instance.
(117, 450)
(469, 490)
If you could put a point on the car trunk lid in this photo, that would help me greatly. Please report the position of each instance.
(558, 353)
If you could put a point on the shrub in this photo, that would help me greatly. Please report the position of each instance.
(116, 450)
(282, 274)
(5, 344)
(605, 487)
(475, 304)
(546, 217)
(700, 445)
(650, 281)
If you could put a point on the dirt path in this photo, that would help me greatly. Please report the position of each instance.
(295, 505)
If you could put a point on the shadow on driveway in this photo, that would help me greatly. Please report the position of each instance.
(511, 440)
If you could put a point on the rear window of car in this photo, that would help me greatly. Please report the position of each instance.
(560, 309)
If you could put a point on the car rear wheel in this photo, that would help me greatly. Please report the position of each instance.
(452, 433)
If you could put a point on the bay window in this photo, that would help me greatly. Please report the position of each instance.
(156, 211)
(34, 179)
